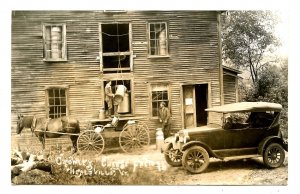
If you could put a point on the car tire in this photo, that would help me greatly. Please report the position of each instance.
(195, 159)
(274, 155)
(173, 157)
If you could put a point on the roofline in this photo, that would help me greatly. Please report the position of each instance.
(232, 69)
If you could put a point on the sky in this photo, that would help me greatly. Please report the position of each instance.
(282, 31)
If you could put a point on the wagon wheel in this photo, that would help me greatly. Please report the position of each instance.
(91, 142)
(140, 125)
(134, 137)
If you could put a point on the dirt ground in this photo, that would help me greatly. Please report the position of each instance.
(151, 161)
(233, 172)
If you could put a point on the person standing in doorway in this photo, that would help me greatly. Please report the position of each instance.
(165, 117)
(109, 96)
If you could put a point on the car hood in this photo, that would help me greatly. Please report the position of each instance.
(202, 128)
(194, 130)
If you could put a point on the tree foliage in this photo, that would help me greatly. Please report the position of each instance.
(247, 37)
(272, 86)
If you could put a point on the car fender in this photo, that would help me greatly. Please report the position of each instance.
(268, 140)
(199, 143)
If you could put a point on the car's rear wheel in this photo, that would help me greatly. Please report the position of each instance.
(173, 156)
(195, 159)
(274, 155)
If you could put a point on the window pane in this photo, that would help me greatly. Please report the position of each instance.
(51, 101)
(56, 91)
(165, 95)
(155, 108)
(159, 94)
(117, 61)
(63, 101)
(50, 92)
(151, 27)
(57, 101)
(62, 93)
(155, 112)
(51, 110)
(115, 37)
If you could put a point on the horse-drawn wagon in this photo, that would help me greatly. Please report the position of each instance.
(133, 136)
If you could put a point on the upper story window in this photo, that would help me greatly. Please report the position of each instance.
(115, 47)
(57, 105)
(158, 42)
(54, 37)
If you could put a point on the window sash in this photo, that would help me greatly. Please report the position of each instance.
(54, 37)
(159, 93)
(57, 104)
(157, 39)
(121, 54)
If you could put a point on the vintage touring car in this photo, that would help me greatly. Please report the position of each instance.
(244, 129)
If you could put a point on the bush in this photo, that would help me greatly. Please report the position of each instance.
(272, 86)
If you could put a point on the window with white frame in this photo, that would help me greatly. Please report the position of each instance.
(115, 47)
(159, 93)
(54, 38)
(57, 105)
(158, 42)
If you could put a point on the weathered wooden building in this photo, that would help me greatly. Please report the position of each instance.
(61, 61)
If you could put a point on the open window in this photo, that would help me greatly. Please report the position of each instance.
(158, 42)
(159, 93)
(57, 102)
(115, 48)
(54, 39)
(122, 90)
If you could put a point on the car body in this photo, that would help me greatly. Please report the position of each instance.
(259, 135)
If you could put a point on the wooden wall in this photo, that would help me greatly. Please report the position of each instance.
(193, 58)
(230, 89)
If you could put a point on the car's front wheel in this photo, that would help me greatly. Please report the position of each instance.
(274, 155)
(195, 159)
(172, 156)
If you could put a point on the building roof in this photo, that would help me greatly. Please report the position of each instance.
(234, 70)
(246, 107)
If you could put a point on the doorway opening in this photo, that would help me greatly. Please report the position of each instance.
(195, 101)
(201, 95)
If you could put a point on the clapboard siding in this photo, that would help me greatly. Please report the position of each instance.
(193, 58)
(229, 89)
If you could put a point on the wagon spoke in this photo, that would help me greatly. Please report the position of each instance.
(90, 141)
(127, 133)
(85, 147)
(84, 137)
(126, 137)
(99, 140)
(133, 137)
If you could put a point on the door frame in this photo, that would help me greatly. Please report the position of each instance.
(194, 100)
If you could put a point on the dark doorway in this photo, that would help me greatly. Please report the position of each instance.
(201, 103)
